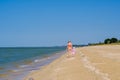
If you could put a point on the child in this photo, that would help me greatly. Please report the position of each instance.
(73, 51)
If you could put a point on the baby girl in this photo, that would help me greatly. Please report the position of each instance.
(73, 51)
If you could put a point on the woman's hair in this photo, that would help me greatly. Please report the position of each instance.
(69, 41)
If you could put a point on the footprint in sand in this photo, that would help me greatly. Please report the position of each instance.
(68, 59)
(91, 67)
(58, 69)
(31, 79)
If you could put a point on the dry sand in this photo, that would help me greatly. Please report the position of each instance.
(89, 63)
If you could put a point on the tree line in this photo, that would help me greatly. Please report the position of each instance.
(111, 40)
(106, 41)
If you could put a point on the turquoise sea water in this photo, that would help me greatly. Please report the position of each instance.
(16, 62)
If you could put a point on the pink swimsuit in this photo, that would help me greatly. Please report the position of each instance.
(73, 51)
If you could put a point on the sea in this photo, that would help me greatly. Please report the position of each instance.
(17, 62)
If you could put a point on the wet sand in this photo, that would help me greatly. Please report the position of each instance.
(89, 63)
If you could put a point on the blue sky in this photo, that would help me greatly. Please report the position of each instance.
(54, 22)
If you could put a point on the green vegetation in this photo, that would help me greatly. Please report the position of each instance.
(112, 40)
(107, 41)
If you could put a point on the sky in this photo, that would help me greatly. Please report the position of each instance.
(36, 23)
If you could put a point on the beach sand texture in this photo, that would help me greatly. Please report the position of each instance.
(89, 63)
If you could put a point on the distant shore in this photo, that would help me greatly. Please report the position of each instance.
(89, 63)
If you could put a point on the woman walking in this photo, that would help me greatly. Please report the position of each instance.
(69, 48)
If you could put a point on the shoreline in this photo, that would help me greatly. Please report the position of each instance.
(22, 70)
(40, 63)
(85, 65)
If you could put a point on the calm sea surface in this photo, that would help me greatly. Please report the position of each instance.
(15, 63)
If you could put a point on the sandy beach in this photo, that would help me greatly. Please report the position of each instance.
(89, 63)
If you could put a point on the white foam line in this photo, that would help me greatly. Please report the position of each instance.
(91, 67)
